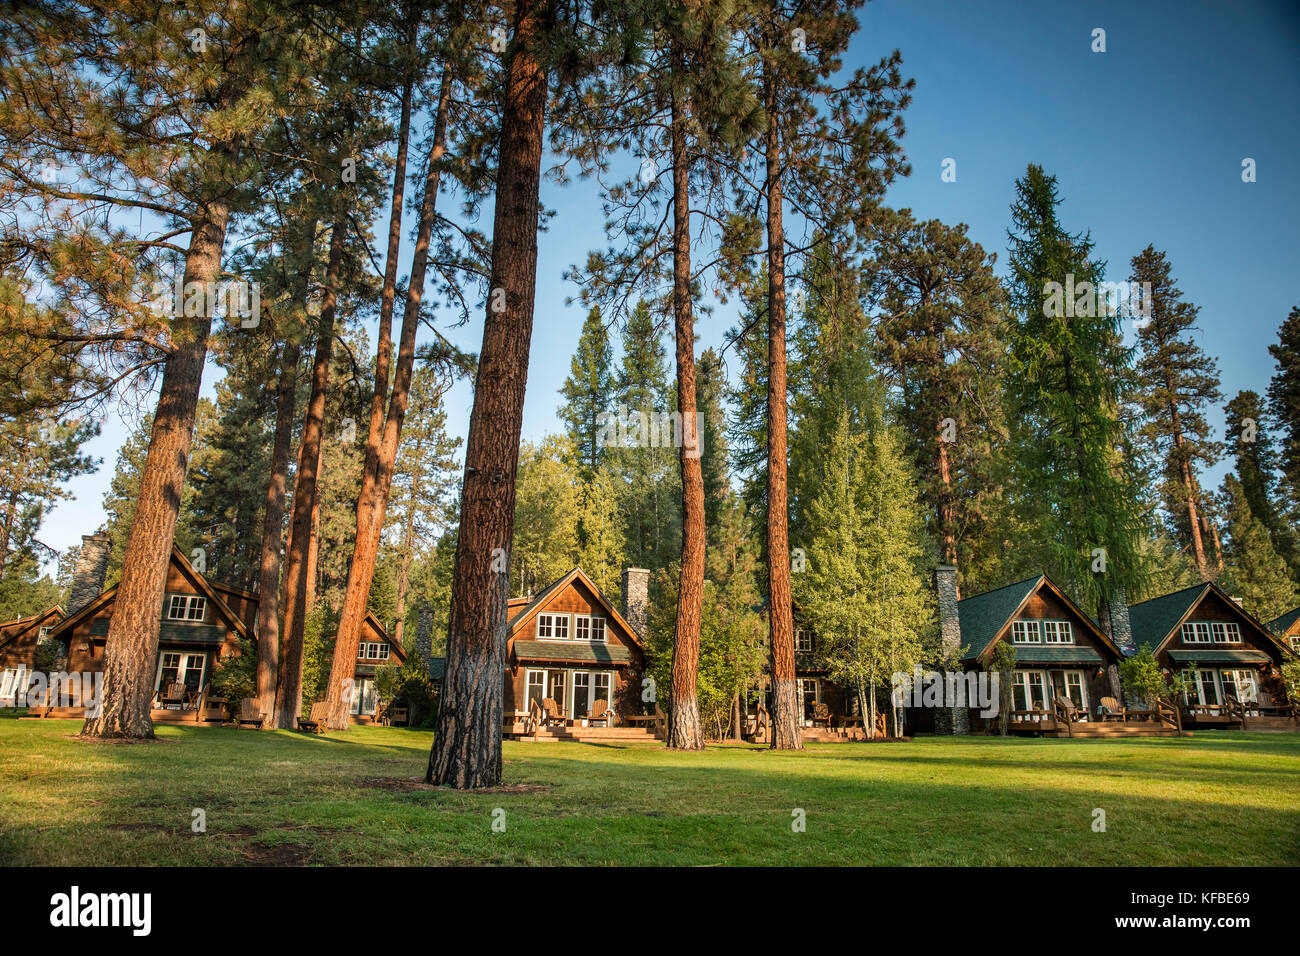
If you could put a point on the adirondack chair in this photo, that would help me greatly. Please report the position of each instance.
(601, 713)
(175, 694)
(250, 714)
(536, 717)
(1111, 709)
(315, 724)
(551, 712)
(821, 715)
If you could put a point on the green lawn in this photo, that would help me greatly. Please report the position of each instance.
(356, 798)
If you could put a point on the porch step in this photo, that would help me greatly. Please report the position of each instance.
(1272, 723)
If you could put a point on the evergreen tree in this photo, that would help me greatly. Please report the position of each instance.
(1075, 491)
(865, 592)
(1250, 436)
(1284, 405)
(1176, 380)
(710, 387)
(1254, 570)
(424, 484)
(588, 392)
(939, 330)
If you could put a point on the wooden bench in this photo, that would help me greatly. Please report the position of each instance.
(249, 714)
(320, 712)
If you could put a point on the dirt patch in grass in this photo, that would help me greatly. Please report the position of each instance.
(282, 854)
(411, 784)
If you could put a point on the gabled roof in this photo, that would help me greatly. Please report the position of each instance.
(526, 612)
(986, 617)
(1155, 621)
(28, 622)
(202, 583)
(1280, 625)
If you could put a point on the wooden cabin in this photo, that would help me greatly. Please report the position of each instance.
(1286, 628)
(1234, 655)
(570, 645)
(19, 640)
(1060, 653)
(203, 622)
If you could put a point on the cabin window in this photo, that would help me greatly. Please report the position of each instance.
(1209, 688)
(1295, 643)
(1240, 684)
(372, 651)
(810, 690)
(553, 627)
(1196, 632)
(1226, 632)
(187, 607)
(536, 688)
(13, 684)
(803, 641)
(1025, 632)
(363, 697)
(1029, 692)
(1070, 684)
(42, 633)
(588, 628)
(175, 667)
(1057, 632)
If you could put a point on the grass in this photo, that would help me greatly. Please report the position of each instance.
(356, 798)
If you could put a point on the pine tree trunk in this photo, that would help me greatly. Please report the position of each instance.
(684, 729)
(466, 751)
(381, 445)
(131, 648)
(786, 734)
(288, 702)
(1189, 488)
(272, 552)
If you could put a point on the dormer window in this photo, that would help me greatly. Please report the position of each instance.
(1225, 632)
(372, 651)
(553, 627)
(1025, 632)
(589, 628)
(803, 641)
(1203, 632)
(187, 607)
(1057, 632)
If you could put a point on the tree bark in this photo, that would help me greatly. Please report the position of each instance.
(272, 553)
(684, 729)
(131, 648)
(381, 444)
(786, 734)
(466, 751)
(288, 702)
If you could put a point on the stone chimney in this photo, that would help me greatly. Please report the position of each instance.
(636, 598)
(92, 566)
(424, 634)
(949, 720)
(945, 583)
(1121, 628)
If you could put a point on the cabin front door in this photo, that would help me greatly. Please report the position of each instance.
(179, 666)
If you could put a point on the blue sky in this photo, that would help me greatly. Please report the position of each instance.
(1147, 140)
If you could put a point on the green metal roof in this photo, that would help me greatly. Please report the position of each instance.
(437, 667)
(1280, 625)
(1153, 620)
(1222, 655)
(984, 615)
(1056, 654)
(571, 651)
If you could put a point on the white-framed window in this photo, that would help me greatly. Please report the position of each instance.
(553, 627)
(175, 666)
(13, 684)
(372, 651)
(810, 691)
(187, 607)
(803, 640)
(1226, 632)
(1196, 632)
(588, 627)
(1295, 643)
(1029, 691)
(1057, 632)
(1071, 684)
(1025, 632)
(363, 697)
(1240, 684)
(535, 688)
(42, 633)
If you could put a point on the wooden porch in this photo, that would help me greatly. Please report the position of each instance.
(1062, 719)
